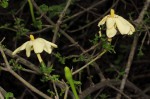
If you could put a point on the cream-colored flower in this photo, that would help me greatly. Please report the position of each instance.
(114, 21)
(38, 45)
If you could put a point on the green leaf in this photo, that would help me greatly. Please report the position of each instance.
(5, 25)
(81, 58)
(46, 78)
(44, 8)
(78, 83)
(9, 95)
(103, 96)
(61, 59)
(4, 3)
(107, 45)
(55, 10)
(20, 27)
(51, 93)
(54, 77)
(46, 70)
(140, 53)
(95, 40)
(38, 24)
(15, 65)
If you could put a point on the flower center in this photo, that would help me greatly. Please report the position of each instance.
(31, 37)
(112, 12)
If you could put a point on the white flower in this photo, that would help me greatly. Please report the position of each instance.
(38, 45)
(115, 21)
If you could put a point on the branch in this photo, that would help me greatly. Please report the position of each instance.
(111, 83)
(85, 10)
(22, 60)
(69, 37)
(59, 21)
(20, 78)
(132, 51)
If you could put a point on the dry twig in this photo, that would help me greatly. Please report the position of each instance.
(132, 52)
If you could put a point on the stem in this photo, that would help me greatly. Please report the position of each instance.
(1, 96)
(42, 64)
(31, 10)
(104, 51)
(55, 89)
(69, 78)
(66, 92)
(59, 21)
(39, 58)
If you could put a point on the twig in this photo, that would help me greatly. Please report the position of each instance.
(26, 89)
(23, 61)
(59, 21)
(55, 89)
(132, 52)
(66, 92)
(20, 78)
(29, 85)
(68, 37)
(113, 87)
(111, 83)
(24, 69)
(1, 96)
(48, 27)
(31, 11)
(104, 51)
(29, 65)
(87, 25)
(53, 24)
(97, 86)
(128, 65)
(86, 9)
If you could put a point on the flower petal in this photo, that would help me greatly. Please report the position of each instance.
(124, 26)
(49, 43)
(29, 47)
(131, 26)
(110, 22)
(38, 45)
(22, 47)
(111, 32)
(103, 21)
(48, 48)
